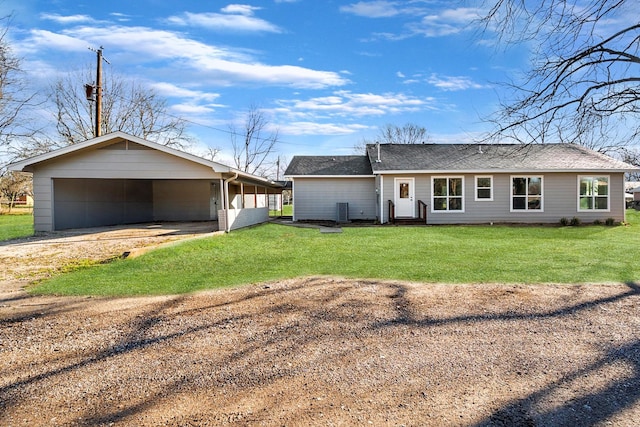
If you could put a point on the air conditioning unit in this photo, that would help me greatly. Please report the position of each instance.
(343, 212)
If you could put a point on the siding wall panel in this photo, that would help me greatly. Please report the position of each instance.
(560, 193)
(316, 199)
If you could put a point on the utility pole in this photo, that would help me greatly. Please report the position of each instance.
(97, 88)
(99, 93)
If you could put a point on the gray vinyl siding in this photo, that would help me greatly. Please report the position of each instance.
(179, 200)
(317, 198)
(115, 186)
(560, 199)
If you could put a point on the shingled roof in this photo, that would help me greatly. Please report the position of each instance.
(494, 157)
(329, 165)
(383, 158)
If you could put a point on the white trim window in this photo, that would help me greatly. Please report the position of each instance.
(593, 193)
(527, 193)
(484, 188)
(447, 194)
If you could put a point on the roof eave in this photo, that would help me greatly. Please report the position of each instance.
(329, 176)
(494, 171)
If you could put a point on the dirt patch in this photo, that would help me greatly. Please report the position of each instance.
(34, 258)
(326, 351)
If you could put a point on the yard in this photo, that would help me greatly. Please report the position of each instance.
(15, 226)
(328, 350)
(442, 254)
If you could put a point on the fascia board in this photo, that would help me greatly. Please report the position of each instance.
(495, 171)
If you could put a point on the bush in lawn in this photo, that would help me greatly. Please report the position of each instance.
(564, 221)
(575, 221)
(597, 222)
(610, 221)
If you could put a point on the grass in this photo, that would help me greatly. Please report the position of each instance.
(287, 210)
(14, 226)
(449, 254)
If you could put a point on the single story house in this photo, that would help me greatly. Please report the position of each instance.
(122, 179)
(461, 184)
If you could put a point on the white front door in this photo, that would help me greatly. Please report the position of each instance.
(404, 188)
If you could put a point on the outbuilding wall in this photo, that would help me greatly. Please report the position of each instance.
(317, 198)
(121, 183)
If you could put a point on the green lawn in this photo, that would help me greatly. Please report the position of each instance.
(449, 254)
(287, 210)
(14, 226)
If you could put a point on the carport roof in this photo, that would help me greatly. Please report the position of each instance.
(115, 137)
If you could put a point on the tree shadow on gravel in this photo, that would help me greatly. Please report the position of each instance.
(139, 338)
(589, 409)
(259, 359)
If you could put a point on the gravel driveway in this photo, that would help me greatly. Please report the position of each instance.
(319, 351)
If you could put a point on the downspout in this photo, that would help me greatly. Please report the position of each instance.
(226, 202)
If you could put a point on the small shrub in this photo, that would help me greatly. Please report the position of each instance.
(575, 221)
(564, 221)
(597, 222)
(610, 221)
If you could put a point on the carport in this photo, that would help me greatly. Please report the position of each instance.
(121, 179)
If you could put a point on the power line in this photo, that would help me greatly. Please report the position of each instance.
(227, 131)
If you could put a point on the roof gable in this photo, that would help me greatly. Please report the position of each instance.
(116, 140)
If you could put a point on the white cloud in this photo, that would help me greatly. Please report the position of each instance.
(67, 20)
(446, 22)
(454, 83)
(210, 63)
(315, 128)
(428, 21)
(243, 9)
(170, 90)
(235, 17)
(54, 40)
(346, 104)
(372, 9)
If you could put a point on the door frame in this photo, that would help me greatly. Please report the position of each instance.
(412, 195)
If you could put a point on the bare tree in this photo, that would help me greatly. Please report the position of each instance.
(127, 106)
(14, 185)
(409, 133)
(210, 153)
(583, 86)
(15, 98)
(255, 144)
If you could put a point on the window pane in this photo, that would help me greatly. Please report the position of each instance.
(484, 193)
(404, 190)
(440, 203)
(586, 203)
(601, 202)
(534, 203)
(519, 186)
(535, 186)
(484, 182)
(602, 186)
(439, 187)
(455, 186)
(585, 186)
(519, 203)
(455, 204)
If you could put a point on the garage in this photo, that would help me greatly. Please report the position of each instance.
(121, 179)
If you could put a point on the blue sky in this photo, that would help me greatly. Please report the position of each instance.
(326, 73)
